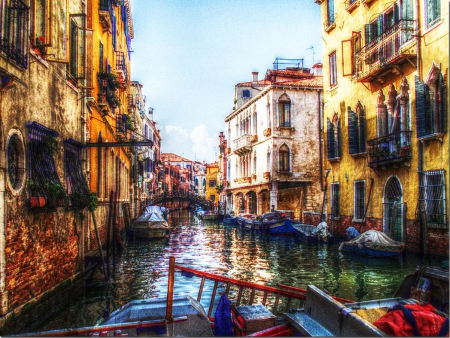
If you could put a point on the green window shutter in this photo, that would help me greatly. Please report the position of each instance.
(367, 33)
(330, 135)
(420, 108)
(352, 132)
(443, 111)
(362, 132)
(338, 141)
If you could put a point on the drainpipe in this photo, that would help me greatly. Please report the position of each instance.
(422, 211)
(319, 117)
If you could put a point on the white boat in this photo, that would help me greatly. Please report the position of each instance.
(151, 224)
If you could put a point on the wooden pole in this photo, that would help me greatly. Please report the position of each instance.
(170, 284)
(99, 244)
(114, 230)
(108, 231)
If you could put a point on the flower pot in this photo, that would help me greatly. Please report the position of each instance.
(37, 202)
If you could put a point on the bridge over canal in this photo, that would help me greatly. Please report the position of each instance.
(179, 200)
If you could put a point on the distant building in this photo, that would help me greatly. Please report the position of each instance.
(274, 143)
(211, 182)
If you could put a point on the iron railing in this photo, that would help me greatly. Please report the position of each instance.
(390, 149)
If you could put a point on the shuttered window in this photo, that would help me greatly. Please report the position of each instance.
(357, 130)
(333, 138)
(433, 11)
(335, 199)
(431, 107)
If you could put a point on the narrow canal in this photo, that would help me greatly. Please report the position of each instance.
(141, 270)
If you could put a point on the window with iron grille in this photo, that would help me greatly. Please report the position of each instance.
(334, 138)
(284, 111)
(212, 183)
(14, 31)
(431, 105)
(77, 188)
(16, 162)
(359, 200)
(357, 130)
(330, 12)
(432, 192)
(42, 174)
(335, 200)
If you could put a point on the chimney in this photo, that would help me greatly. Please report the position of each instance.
(221, 137)
(255, 77)
(317, 69)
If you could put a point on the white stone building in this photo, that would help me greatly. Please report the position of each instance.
(274, 143)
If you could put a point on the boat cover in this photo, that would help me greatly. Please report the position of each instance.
(153, 215)
(376, 240)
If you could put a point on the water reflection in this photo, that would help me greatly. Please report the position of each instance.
(142, 268)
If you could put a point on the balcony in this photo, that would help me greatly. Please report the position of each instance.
(121, 70)
(243, 144)
(267, 132)
(390, 150)
(330, 23)
(385, 53)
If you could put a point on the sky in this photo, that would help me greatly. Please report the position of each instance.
(189, 54)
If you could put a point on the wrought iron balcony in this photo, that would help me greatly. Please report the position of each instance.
(243, 144)
(390, 150)
(121, 69)
(392, 48)
(350, 5)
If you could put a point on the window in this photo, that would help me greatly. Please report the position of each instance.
(432, 192)
(432, 11)
(212, 183)
(255, 125)
(352, 46)
(43, 177)
(284, 157)
(77, 187)
(431, 105)
(16, 162)
(333, 69)
(330, 12)
(334, 137)
(77, 47)
(335, 200)
(359, 200)
(14, 31)
(284, 111)
(246, 93)
(357, 130)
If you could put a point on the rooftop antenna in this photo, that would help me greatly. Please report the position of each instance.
(312, 47)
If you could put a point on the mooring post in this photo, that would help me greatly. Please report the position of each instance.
(170, 289)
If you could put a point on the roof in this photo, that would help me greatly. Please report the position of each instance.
(300, 77)
(171, 157)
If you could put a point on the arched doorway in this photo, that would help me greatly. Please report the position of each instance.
(393, 209)
(239, 204)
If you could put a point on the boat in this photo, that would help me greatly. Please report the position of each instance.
(151, 224)
(230, 220)
(373, 243)
(274, 223)
(324, 316)
(209, 216)
(242, 218)
(238, 308)
(312, 233)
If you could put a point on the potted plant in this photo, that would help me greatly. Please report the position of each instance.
(36, 200)
(40, 46)
(56, 192)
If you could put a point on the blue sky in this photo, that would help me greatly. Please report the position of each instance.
(189, 54)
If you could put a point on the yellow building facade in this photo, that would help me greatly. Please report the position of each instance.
(109, 121)
(385, 68)
(212, 172)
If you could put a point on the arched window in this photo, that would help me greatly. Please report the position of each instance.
(284, 111)
(334, 138)
(357, 130)
(284, 156)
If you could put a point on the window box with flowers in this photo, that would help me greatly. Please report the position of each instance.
(266, 175)
(254, 177)
(109, 80)
(254, 138)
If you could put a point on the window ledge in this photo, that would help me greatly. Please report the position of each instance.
(433, 26)
(435, 136)
(364, 154)
(357, 220)
(335, 159)
(351, 7)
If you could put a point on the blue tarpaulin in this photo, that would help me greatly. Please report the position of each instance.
(222, 324)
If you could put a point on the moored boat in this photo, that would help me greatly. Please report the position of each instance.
(373, 243)
(151, 224)
(274, 223)
(312, 233)
(209, 216)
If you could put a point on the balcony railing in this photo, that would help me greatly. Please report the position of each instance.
(330, 23)
(350, 5)
(121, 69)
(393, 47)
(390, 150)
(243, 144)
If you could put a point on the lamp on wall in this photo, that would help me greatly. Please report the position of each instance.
(346, 176)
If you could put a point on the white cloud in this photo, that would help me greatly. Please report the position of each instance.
(197, 145)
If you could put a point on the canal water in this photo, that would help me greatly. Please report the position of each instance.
(141, 270)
